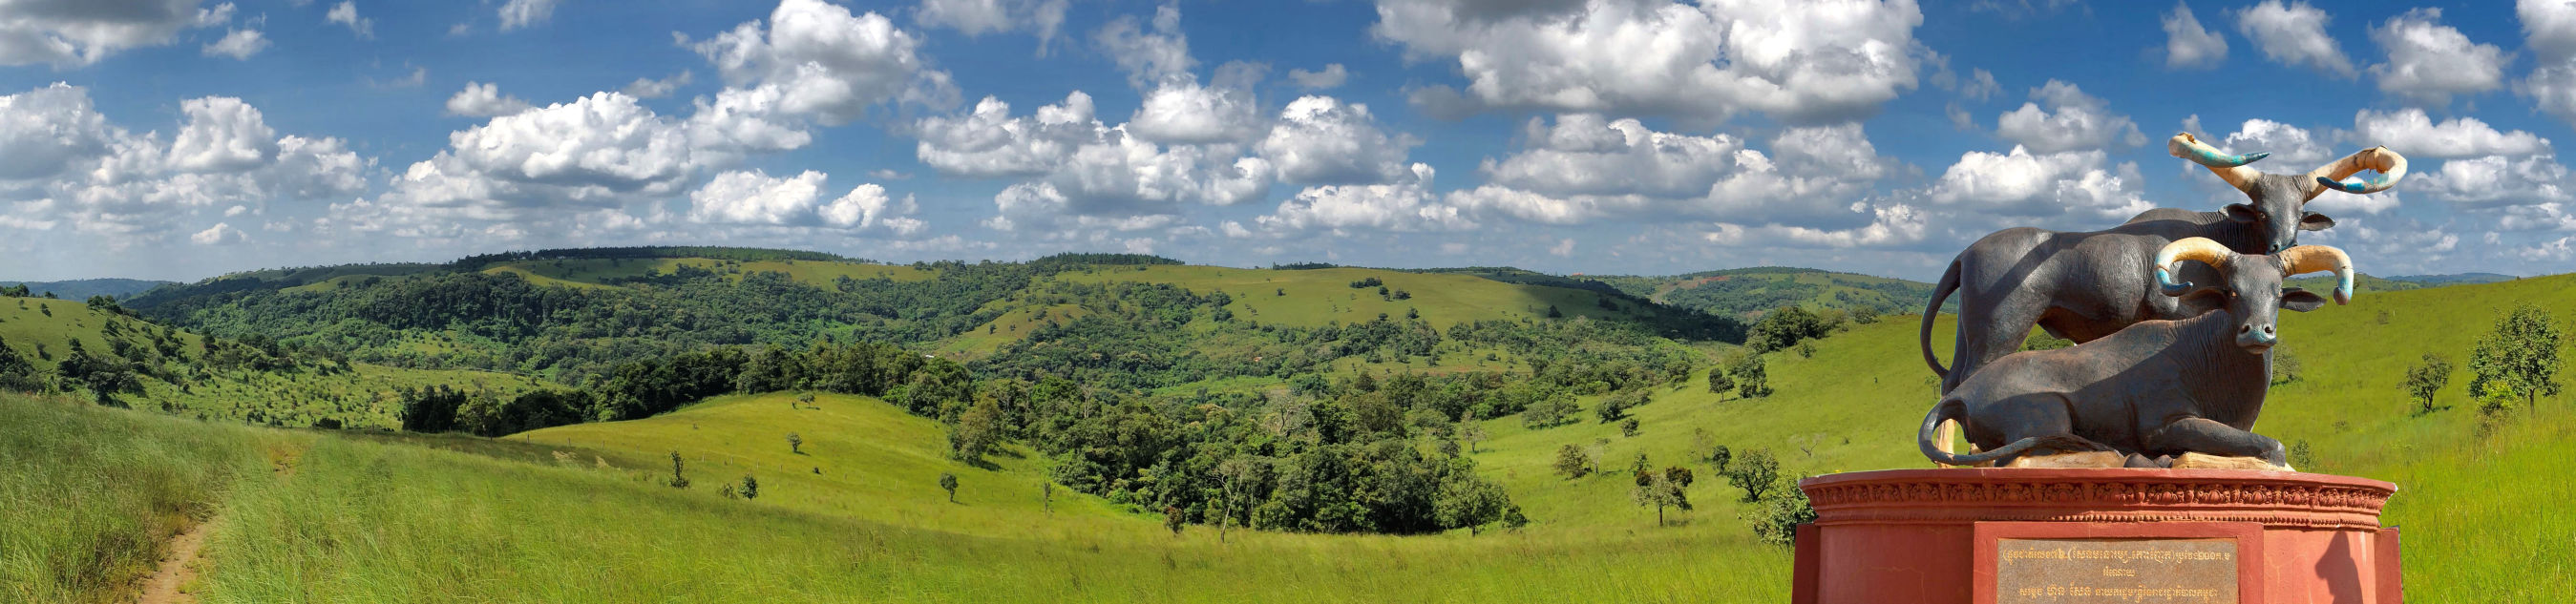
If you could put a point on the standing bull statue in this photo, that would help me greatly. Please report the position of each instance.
(2157, 389)
(2084, 286)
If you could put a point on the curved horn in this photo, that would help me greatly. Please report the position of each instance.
(2313, 258)
(2390, 165)
(2196, 248)
(2230, 168)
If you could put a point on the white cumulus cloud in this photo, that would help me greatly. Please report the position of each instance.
(2429, 62)
(2188, 45)
(2294, 34)
(2072, 121)
(1796, 60)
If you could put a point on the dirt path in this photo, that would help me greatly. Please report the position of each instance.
(177, 567)
(179, 560)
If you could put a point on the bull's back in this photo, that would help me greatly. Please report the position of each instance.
(2003, 261)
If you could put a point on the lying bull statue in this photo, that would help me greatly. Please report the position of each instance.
(2156, 390)
(2083, 286)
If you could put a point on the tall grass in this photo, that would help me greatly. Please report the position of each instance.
(87, 495)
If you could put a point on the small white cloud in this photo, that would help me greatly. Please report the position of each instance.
(346, 13)
(240, 44)
(1330, 77)
(522, 13)
(484, 100)
(647, 88)
(220, 234)
(1564, 248)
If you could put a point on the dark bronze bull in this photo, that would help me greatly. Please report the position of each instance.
(2153, 391)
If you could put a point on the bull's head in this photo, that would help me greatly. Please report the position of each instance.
(2279, 202)
(2253, 289)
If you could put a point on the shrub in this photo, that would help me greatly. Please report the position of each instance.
(1776, 516)
(1628, 428)
(1572, 462)
(679, 480)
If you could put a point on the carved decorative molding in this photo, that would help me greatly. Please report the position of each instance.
(2096, 495)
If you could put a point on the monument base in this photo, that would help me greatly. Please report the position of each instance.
(2070, 535)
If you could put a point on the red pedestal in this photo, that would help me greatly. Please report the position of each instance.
(1934, 535)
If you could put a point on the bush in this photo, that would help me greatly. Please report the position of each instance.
(1776, 516)
(1572, 462)
(1555, 411)
(2285, 366)
(1628, 428)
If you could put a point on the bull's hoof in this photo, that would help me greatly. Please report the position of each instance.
(2086, 459)
(2198, 461)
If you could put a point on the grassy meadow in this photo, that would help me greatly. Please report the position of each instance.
(584, 512)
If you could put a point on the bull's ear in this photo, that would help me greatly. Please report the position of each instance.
(2243, 213)
(2301, 300)
(2315, 222)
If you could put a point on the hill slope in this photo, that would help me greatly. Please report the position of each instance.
(363, 519)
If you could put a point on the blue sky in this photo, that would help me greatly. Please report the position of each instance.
(180, 139)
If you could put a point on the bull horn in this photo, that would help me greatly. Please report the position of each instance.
(2390, 165)
(2313, 258)
(2196, 248)
(2230, 168)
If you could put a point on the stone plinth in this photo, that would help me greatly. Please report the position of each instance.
(2065, 536)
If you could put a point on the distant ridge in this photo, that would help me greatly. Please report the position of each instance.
(82, 289)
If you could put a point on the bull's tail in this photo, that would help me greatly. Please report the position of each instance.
(1951, 409)
(1949, 283)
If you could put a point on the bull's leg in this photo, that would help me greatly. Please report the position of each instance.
(1990, 334)
(2206, 436)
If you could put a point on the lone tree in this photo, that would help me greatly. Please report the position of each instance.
(750, 487)
(1628, 428)
(805, 400)
(2520, 355)
(678, 480)
(1471, 430)
(1757, 473)
(1668, 488)
(2426, 379)
(1048, 493)
(1718, 382)
(795, 444)
(1172, 519)
(949, 481)
(1571, 462)
(1751, 380)
(1469, 503)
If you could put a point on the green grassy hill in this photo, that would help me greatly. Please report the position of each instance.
(180, 378)
(376, 519)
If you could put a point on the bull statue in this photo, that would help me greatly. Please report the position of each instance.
(2084, 286)
(2154, 391)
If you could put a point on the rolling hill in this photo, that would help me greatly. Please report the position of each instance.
(82, 289)
(584, 513)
